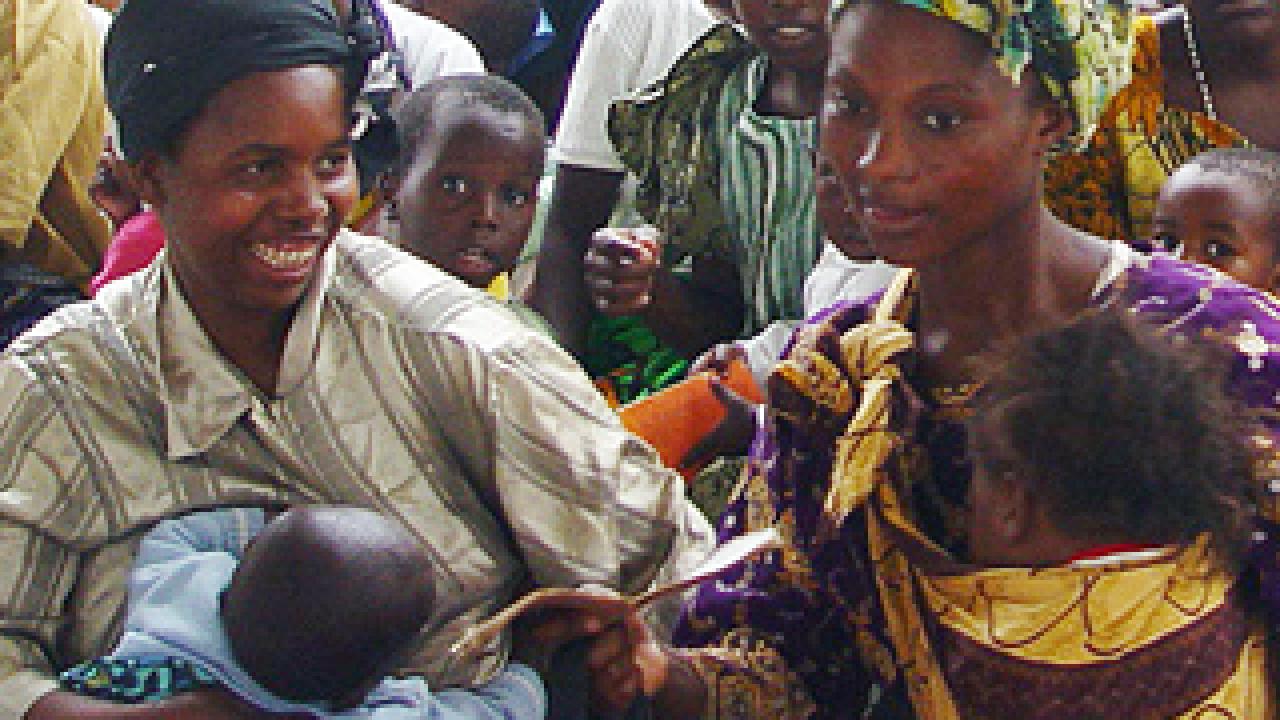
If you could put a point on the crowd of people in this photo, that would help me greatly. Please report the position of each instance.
(323, 321)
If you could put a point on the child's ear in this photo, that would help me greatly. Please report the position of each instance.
(1016, 517)
(146, 177)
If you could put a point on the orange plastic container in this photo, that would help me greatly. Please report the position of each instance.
(675, 419)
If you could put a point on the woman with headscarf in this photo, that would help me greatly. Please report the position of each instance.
(268, 358)
(937, 121)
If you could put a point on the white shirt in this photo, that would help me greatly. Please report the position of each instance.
(834, 279)
(629, 44)
(430, 48)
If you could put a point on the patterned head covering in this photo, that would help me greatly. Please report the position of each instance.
(1080, 49)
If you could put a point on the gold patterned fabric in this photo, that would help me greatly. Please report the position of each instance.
(52, 125)
(1110, 187)
(401, 390)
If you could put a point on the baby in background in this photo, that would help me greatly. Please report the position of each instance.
(1222, 208)
(307, 613)
(464, 190)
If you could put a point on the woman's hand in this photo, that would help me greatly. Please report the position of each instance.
(619, 269)
(624, 658)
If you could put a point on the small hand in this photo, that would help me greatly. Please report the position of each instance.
(619, 269)
(718, 359)
(731, 436)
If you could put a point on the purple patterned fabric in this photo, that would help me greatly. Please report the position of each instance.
(819, 608)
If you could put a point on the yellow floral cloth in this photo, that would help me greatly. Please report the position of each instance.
(1110, 187)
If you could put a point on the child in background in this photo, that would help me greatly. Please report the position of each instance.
(464, 190)
(304, 614)
(1222, 208)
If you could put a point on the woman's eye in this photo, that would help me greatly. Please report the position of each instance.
(941, 121)
(258, 168)
(453, 184)
(515, 198)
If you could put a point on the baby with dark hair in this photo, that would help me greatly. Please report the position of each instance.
(307, 613)
(323, 600)
(1101, 438)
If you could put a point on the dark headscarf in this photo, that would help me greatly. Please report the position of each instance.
(166, 58)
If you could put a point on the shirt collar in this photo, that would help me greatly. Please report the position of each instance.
(204, 395)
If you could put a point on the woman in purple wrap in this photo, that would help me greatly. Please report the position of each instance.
(938, 119)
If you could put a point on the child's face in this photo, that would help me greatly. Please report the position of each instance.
(466, 202)
(793, 33)
(1219, 220)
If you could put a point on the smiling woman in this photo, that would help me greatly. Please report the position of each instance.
(252, 196)
(268, 357)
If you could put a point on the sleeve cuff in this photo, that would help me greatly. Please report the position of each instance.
(605, 160)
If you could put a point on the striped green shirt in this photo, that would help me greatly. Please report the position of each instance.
(767, 190)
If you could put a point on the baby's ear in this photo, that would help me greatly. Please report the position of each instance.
(1018, 517)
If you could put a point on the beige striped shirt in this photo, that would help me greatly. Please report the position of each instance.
(400, 390)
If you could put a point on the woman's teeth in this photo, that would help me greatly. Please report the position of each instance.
(283, 259)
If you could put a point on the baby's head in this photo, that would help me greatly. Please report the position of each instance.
(472, 149)
(1222, 208)
(324, 600)
(1102, 432)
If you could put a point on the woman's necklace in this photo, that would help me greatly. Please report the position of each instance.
(1193, 51)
